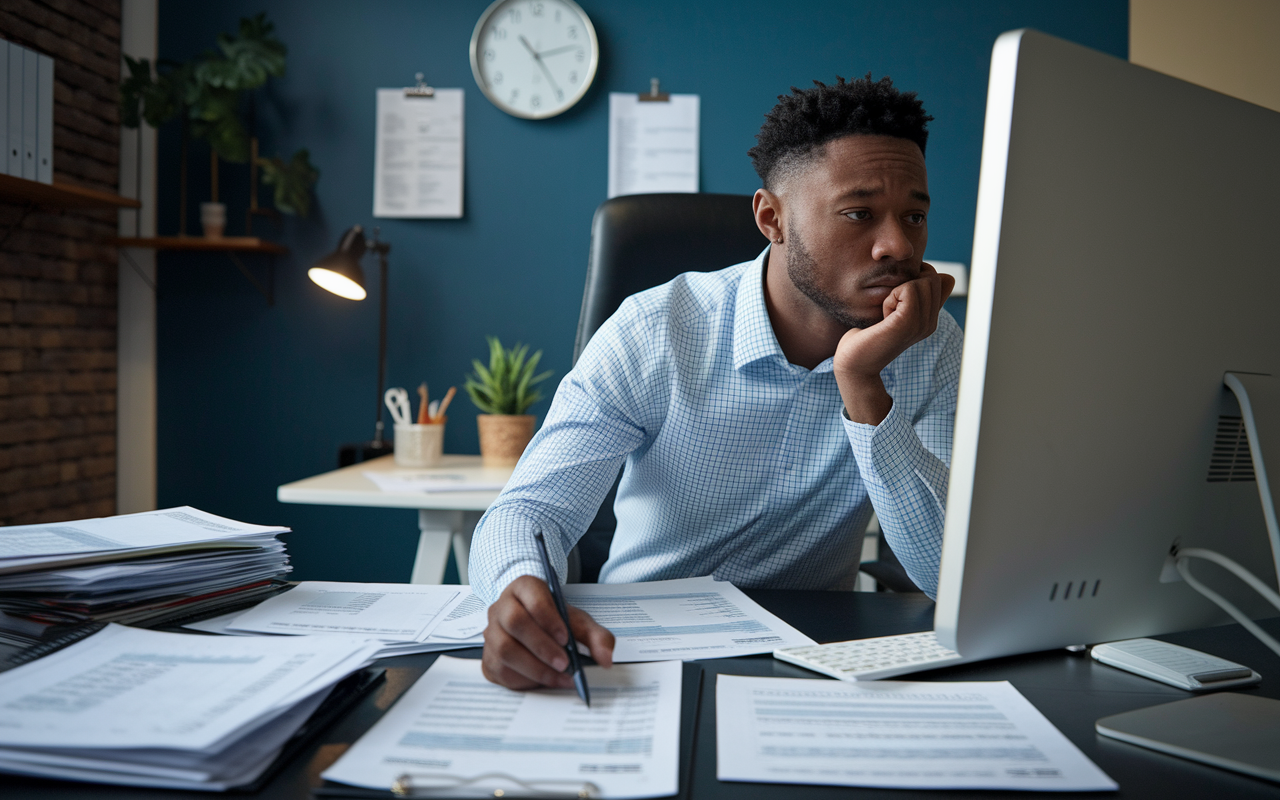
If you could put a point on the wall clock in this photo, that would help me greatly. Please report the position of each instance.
(534, 58)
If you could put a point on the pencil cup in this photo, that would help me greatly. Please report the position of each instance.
(419, 445)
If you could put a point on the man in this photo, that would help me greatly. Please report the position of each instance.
(762, 411)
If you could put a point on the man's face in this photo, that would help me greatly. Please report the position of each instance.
(856, 225)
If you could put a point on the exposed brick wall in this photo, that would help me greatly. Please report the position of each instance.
(58, 282)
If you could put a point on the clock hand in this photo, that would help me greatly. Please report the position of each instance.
(538, 59)
(558, 50)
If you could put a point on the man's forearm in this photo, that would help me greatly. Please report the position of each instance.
(866, 401)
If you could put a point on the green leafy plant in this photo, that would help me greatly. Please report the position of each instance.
(292, 181)
(506, 386)
(207, 96)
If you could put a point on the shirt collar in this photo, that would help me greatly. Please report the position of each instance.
(753, 337)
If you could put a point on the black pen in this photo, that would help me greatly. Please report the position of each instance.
(553, 583)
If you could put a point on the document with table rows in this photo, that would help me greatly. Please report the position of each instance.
(893, 734)
(454, 727)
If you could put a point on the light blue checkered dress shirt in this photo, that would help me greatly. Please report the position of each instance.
(739, 464)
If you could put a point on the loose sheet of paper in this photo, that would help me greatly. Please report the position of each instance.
(418, 482)
(895, 734)
(454, 725)
(126, 687)
(685, 619)
(418, 155)
(653, 146)
(394, 612)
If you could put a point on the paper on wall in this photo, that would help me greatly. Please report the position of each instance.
(653, 145)
(418, 155)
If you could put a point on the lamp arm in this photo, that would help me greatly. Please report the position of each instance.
(382, 250)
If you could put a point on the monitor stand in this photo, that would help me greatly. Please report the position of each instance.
(1239, 732)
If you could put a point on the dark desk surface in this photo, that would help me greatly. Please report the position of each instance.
(1073, 691)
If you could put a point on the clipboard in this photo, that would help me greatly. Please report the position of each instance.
(690, 702)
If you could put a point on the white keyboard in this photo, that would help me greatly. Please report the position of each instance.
(872, 659)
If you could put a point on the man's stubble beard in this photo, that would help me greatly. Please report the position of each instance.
(803, 269)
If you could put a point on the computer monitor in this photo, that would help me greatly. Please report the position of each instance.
(1126, 257)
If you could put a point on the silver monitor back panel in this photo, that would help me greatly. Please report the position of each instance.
(1125, 256)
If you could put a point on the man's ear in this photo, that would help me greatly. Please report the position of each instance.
(767, 208)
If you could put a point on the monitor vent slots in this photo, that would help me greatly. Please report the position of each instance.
(1075, 590)
(1230, 461)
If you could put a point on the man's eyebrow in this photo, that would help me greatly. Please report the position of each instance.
(865, 192)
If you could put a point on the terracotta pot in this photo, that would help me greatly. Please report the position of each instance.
(503, 437)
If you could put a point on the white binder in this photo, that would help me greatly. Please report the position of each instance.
(30, 95)
(14, 149)
(44, 120)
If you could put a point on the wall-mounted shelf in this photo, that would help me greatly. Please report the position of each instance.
(231, 245)
(60, 195)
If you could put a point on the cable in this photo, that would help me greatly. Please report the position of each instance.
(1184, 569)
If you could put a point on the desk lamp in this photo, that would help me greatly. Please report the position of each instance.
(340, 273)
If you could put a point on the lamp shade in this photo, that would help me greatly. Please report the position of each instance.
(340, 272)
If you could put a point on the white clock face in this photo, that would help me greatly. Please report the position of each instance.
(534, 58)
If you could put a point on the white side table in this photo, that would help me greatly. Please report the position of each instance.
(444, 518)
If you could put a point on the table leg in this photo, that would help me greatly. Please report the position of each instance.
(436, 531)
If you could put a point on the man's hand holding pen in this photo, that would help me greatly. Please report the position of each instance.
(524, 644)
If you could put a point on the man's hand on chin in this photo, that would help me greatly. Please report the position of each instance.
(525, 640)
(910, 315)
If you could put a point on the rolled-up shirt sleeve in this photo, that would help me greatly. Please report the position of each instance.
(905, 462)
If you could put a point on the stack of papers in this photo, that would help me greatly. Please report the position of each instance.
(404, 617)
(456, 733)
(144, 708)
(147, 568)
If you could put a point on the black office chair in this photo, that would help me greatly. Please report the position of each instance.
(642, 241)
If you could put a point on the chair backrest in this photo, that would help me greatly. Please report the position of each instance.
(638, 242)
(644, 240)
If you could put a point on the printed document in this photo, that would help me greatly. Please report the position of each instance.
(395, 612)
(453, 726)
(893, 734)
(429, 482)
(131, 688)
(653, 146)
(418, 155)
(24, 547)
(686, 619)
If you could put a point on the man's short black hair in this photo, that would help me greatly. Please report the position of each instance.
(802, 122)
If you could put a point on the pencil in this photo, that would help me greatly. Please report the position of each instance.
(444, 404)
(424, 416)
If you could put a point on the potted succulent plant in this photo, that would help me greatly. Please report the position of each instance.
(503, 392)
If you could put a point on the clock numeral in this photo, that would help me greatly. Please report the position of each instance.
(573, 76)
(535, 101)
(582, 54)
(500, 34)
(557, 15)
(515, 94)
(489, 55)
(514, 16)
(536, 9)
(559, 95)
(497, 77)
(573, 31)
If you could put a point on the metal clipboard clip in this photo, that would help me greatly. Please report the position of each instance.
(654, 95)
(491, 784)
(421, 89)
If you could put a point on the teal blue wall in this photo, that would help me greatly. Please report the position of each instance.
(252, 396)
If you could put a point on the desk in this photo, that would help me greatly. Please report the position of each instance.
(444, 518)
(1071, 690)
